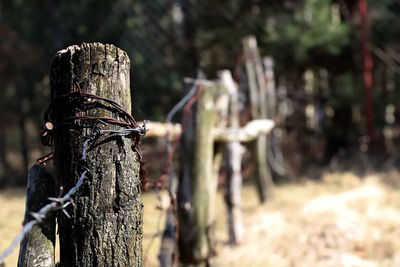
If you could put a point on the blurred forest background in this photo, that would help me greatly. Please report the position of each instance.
(317, 45)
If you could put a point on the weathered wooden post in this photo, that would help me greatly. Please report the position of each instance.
(268, 63)
(275, 155)
(196, 181)
(258, 99)
(234, 160)
(37, 248)
(105, 228)
(221, 108)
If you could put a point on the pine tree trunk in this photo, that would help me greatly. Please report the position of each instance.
(24, 143)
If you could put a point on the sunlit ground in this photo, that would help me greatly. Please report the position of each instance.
(339, 221)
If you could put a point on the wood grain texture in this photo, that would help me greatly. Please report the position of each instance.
(107, 213)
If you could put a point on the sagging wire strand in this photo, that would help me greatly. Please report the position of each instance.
(131, 129)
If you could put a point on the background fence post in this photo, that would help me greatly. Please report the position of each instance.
(37, 248)
(258, 102)
(106, 222)
(234, 160)
(196, 181)
(275, 156)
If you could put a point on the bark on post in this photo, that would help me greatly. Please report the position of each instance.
(258, 97)
(105, 228)
(37, 248)
(196, 182)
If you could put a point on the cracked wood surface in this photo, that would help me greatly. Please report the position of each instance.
(107, 213)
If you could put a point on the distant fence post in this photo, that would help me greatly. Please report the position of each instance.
(105, 228)
(258, 102)
(268, 63)
(275, 155)
(234, 160)
(37, 248)
(196, 181)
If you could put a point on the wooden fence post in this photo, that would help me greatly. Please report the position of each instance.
(275, 155)
(258, 99)
(234, 160)
(196, 181)
(37, 248)
(106, 222)
(268, 63)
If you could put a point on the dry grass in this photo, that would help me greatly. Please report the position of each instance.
(339, 221)
(12, 206)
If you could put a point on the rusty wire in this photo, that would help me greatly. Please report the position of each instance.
(184, 104)
(130, 128)
(83, 101)
(80, 100)
(161, 183)
(60, 203)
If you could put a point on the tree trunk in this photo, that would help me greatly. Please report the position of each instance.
(37, 248)
(24, 143)
(367, 67)
(106, 222)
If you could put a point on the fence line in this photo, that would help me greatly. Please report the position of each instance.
(209, 129)
(170, 151)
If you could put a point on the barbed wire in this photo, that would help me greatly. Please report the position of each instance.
(184, 104)
(60, 203)
(178, 106)
(169, 166)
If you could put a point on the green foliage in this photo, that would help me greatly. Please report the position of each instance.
(294, 36)
(169, 40)
(385, 23)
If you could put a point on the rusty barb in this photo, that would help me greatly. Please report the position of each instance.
(80, 100)
(131, 129)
